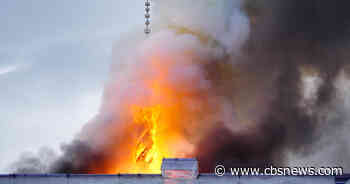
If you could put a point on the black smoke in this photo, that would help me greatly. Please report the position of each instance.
(286, 37)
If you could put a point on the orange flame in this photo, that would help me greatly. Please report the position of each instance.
(147, 150)
(159, 125)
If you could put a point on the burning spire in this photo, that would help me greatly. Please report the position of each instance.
(146, 149)
(228, 105)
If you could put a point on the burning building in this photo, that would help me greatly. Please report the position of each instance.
(240, 83)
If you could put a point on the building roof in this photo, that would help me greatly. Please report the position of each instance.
(158, 179)
(180, 164)
(180, 168)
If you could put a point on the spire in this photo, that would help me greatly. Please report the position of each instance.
(147, 17)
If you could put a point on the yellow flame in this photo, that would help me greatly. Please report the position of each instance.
(147, 151)
(155, 131)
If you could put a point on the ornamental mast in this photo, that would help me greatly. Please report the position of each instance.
(147, 17)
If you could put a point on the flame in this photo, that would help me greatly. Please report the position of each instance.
(159, 122)
(155, 129)
(147, 150)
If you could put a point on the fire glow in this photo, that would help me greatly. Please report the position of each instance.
(147, 150)
(157, 139)
(157, 125)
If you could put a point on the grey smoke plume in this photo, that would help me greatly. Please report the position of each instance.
(268, 79)
(35, 163)
(291, 42)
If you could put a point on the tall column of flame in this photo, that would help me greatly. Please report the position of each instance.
(147, 150)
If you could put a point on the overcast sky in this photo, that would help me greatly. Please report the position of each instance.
(54, 62)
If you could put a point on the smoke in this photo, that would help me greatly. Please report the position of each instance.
(34, 163)
(260, 83)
